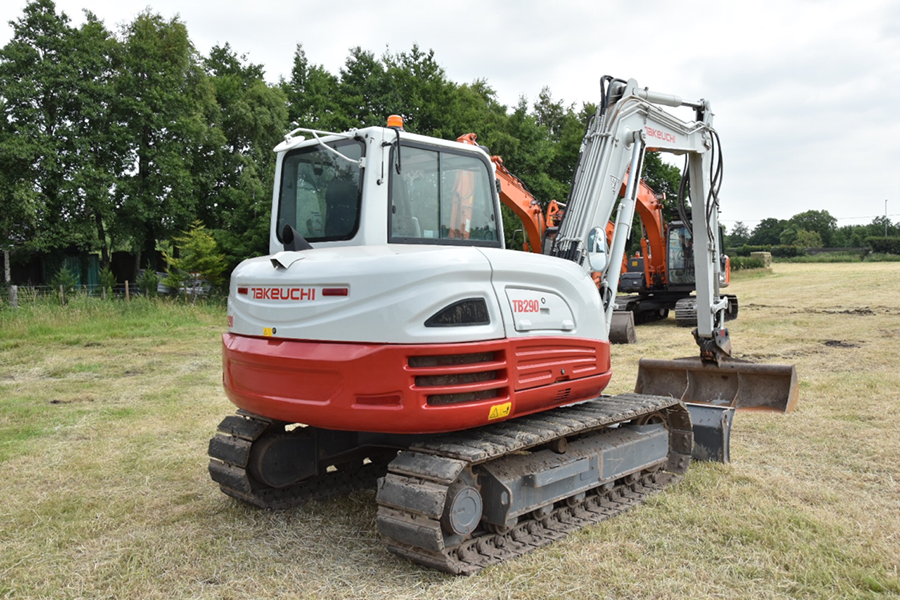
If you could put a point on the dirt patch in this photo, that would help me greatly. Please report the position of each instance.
(840, 344)
(863, 311)
(72, 400)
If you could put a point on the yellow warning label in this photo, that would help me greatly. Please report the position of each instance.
(268, 331)
(500, 410)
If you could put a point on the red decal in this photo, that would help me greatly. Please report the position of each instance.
(335, 292)
(526, 306)
(660, 135)
(277, 293)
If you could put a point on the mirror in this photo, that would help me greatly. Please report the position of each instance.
(598, 255)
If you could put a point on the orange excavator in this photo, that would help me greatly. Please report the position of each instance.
(661, 276)
(540, 226)
(537, 223)
(655, 280)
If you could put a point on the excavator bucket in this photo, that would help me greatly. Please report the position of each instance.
(621, 330)
(712, 393)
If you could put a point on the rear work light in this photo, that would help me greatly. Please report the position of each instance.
(336, 291)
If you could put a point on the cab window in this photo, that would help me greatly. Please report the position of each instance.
(320, 195)
(442, 197)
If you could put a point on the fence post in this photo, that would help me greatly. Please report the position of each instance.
(62, 294)
(103, 292)
(127, 294)
(14, 295)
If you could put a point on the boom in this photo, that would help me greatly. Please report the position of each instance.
(628, 123)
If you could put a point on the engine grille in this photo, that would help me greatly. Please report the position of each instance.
(460, 378)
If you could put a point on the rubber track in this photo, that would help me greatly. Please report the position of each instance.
(686, 312)
(229, 452)
(427, 470)
(490, 549)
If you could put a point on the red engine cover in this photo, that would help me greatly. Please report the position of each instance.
(425, 388)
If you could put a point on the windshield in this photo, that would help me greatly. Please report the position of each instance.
(442, 197)
(320, 192)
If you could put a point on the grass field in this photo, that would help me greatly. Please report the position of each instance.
(106, 410)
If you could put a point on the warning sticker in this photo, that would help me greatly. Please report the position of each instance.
(268, 331)
(499, 411)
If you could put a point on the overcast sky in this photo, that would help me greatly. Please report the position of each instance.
(806, 93)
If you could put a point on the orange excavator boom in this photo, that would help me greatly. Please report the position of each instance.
(517, 198)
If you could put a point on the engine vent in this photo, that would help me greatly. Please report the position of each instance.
(469, 312)
(562, 394)
(443, 399)
(454, 378)
(458, 378)
(451, 359)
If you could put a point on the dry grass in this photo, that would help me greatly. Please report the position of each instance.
(105, 413)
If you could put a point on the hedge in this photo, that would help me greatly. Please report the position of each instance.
(739, 263)
(886, 245)
(777, 251)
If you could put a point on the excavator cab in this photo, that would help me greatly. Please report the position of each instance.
(680, 249)
(680, 258)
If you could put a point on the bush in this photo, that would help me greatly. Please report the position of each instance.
(107, 281)
(883, 258)
(885, 245)
(828, 257)
(66, 280)
(739, 263)
(787, 251)
(780, 251)
(200, 262)
(147, 281)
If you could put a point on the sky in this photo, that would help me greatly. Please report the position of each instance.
(806, 94)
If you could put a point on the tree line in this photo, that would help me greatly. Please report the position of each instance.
(811, 229)
(116, 140)
(120, 140)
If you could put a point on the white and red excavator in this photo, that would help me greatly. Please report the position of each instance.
(390, 339)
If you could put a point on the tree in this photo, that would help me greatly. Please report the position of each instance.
(767, 232)
(312, 95)
(166, 110)
(664, 179)
(808, 239)
(415, 86)
(363, 90)
(252, 117)
(739, 234)
(199, 259)
(817, 221)
(882, 226)
(38, 82)
(480, 112)
(551, 115)
(96, 133)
